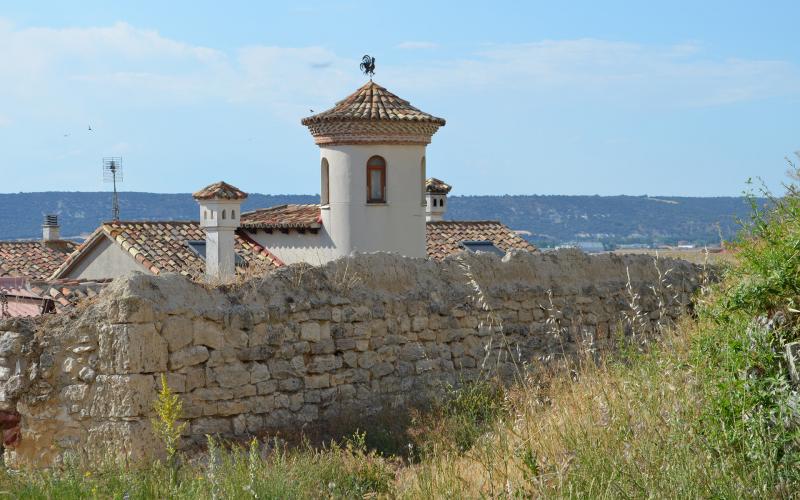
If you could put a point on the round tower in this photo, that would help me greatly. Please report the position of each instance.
(372, 162)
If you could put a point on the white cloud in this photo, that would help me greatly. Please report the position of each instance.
(417, 45)
(120, 65)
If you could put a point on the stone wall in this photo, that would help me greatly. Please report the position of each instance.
(305, 346)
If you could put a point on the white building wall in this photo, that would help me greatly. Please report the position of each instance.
(105, 260)
(315, 249)
(397, 226)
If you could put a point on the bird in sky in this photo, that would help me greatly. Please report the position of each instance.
(66, 135)
(90, 127)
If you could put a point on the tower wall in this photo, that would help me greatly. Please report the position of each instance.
(396, 226)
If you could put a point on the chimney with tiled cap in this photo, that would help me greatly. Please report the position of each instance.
(220, 209)
(51, 231)
(435, 199)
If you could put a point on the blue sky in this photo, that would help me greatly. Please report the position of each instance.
(659, 98)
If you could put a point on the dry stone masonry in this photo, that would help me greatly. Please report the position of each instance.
(305, 346)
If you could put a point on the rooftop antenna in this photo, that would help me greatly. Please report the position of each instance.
(368, 66)
(112, 172)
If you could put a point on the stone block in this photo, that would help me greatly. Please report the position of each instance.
(290, 384)
(117, 396)
(324, 363)
(258, 373)
(412, 352)
(317, 381)
(211, 426)
(178, 332)
(208, 333)
(188, 356)
(195, 377)
(232, 375)
(310, 331)
(134, 348)
(267, 387)
(382, 369)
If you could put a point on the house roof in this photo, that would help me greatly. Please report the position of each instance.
(372, 102)
(32, 298)
(33, 259)
(220, 191)
(161, 247)
(283, 217)
(445, 237)
(435, 186)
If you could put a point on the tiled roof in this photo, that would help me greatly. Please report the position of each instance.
(220, 191)
(434, 185)
(283, 217)
(444, 237)
(33, 259)
(161, 247)
(33, 298)
(373, 102)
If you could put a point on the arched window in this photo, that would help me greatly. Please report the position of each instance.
(324, 192)
(205, 214)
(233, 214)
(376, 180)
(422, 176)
(223, 214)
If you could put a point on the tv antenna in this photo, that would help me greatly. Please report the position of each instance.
(112, 172)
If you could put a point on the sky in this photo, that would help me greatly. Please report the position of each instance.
(681, 98)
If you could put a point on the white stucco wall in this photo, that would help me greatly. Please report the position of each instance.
(295, 247)
(105, 260)
(397, 226)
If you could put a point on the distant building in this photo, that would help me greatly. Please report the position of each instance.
(374, 197)
(36, 259)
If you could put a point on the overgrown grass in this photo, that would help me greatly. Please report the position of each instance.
(707, 410)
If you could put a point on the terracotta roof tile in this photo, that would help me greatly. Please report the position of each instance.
(162, 247)
(33, 259)
(220, 191)
(444, 237)
(373, 102)
(283, 217)
(435, 186)
(36, 297)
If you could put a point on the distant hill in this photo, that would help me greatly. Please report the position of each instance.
(551, 220)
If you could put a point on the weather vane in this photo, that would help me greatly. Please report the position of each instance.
(368, 65)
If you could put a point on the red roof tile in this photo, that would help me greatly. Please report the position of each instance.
(373, 102)
(435, 186)
(283, 217)
(161, 247)
(33, 298)
(445, 237)
(220, 191)
(33, 259)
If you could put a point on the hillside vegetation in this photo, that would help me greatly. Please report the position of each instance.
(550, 219)
(705, 410)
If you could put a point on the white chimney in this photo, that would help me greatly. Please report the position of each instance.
(435, 199)
(50, 229)
(220, 209)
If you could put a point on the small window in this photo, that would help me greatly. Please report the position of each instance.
(205, 214)
(233, 214)
(481, 246)
(223, 214)
(324, 192)
(376, 180)
(441, 202)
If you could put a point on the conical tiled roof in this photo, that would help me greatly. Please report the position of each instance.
(220, 191)
(373, 102)
(436, 186)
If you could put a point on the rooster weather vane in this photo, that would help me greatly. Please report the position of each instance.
(368, 65)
